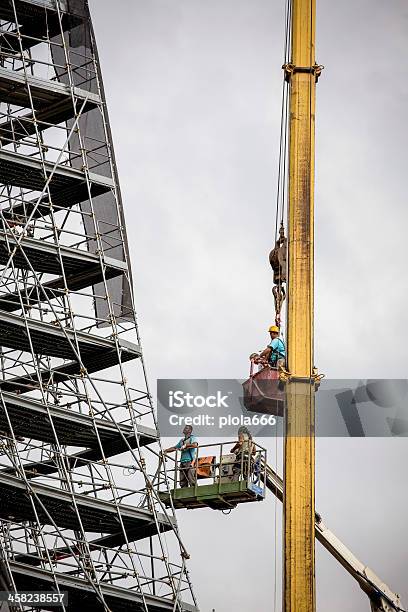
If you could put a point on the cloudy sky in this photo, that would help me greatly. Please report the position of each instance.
(194, 90)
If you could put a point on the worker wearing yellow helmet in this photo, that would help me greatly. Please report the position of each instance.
(275, 353)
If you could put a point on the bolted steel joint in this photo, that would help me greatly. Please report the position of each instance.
(290, 69)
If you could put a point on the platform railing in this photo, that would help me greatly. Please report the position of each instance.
(215, 463)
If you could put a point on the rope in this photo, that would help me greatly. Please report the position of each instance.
(281, 192)
(281, 198)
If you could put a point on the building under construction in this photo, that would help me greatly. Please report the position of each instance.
(74, 396)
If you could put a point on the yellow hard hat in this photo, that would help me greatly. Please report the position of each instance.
(274, 328)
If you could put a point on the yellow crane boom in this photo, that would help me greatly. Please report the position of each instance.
(299, 452)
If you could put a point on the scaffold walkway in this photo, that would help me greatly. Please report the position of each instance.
(38, 20)
(82, 596)
(45, 422)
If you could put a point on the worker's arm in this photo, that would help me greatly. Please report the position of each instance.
(266, 353)
(192, 445)
(176, 447)
(264, 356)
(235, 447)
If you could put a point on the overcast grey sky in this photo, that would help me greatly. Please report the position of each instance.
(194, 90)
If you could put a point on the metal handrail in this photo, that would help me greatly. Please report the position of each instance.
(247, 465)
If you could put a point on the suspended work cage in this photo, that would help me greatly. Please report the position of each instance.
(75, 407)
(264, 392)
(217, 479)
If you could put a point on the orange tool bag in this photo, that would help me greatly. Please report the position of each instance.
(203, 466)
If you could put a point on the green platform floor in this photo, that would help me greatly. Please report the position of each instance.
(218, 495)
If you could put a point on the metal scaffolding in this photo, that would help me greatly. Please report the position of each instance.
(75, 409)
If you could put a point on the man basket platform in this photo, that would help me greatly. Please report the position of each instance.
(264, 392)
(221, 482)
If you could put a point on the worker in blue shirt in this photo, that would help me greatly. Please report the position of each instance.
(275, 353)
(188, 446)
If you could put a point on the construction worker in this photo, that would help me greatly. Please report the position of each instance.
(243, 449)
(188, 447)
(274, 354)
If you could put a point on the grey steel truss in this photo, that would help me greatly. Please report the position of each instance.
(80, 456)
